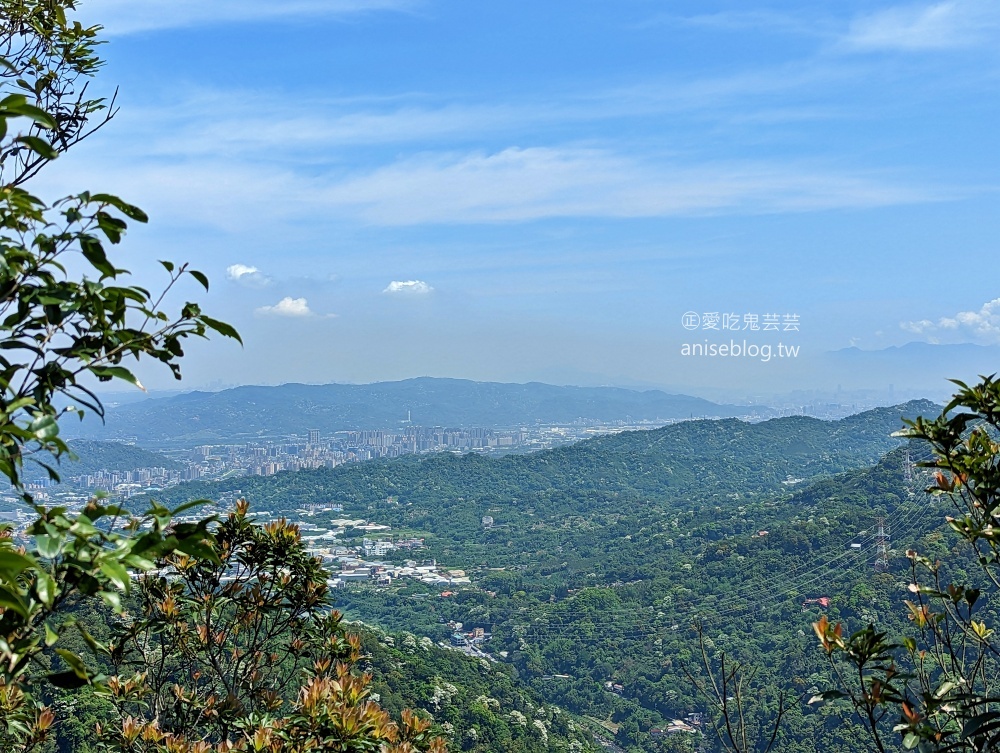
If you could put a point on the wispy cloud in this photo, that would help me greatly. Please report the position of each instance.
(408, 287)
(244, 123)
(982, 325)
(758, 20)
(518, 184)
(131, 16)
(936, 26)
(288, 306)
(510, 185)
(247, 275)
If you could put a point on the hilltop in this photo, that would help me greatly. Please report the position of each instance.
(602, 555)
(717, 457)
(295, 408)
(94, 456)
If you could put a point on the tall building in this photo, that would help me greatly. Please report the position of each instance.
(314, 436)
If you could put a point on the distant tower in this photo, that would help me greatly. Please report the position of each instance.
(314, 436)
(881, 545)
(908, 467)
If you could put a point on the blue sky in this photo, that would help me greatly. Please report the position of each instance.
(529, 190)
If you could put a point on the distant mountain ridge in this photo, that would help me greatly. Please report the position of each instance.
(427, 401)
(916, 365)
(718, 457)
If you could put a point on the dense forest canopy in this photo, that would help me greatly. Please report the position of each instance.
(602, 556)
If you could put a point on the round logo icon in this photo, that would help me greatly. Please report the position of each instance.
(690, 320)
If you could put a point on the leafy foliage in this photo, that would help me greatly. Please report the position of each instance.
(87, 556)
(603, 554)
(219, 643)
(219, 637)
(57, 330)
(936, 687)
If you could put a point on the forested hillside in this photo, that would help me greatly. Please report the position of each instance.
(706, 458)
(478, 705)
(91, 456)
(603, 555)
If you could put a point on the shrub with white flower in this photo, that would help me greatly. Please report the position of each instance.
(443, 693)
(542, 732)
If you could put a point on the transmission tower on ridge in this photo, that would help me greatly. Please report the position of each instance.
(881, 545)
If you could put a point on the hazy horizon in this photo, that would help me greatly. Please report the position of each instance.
(557, 192)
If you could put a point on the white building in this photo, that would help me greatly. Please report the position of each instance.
(377, 547)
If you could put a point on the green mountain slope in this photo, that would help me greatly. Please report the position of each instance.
(706, 458)
(93, 456)
(476, 704)
(604, 554)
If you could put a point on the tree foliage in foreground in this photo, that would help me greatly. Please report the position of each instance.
(937, 687)
(218, 644)
(60, 331)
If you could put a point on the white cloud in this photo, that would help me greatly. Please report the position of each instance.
(936, 26)
(247, 275)
(518, 184)
(510, 185)
(121, 17)
(287, 306)
(408, 287)
(217, 124)
(983, 325)
(765, 21)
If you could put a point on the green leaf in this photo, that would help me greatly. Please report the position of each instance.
(91, 642)
(93, 252)
(117, 574)
(200, 277)
(45, 587)
(106, 373)
(226, 330)
(11, 600)
(48, 546)
(39, 146)
(198, 548)
(44, 428)
(188, 505)
(13, 564)
(112, 599)
(23, 109)
(129, 210)
(67, 680)
(139, 563)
